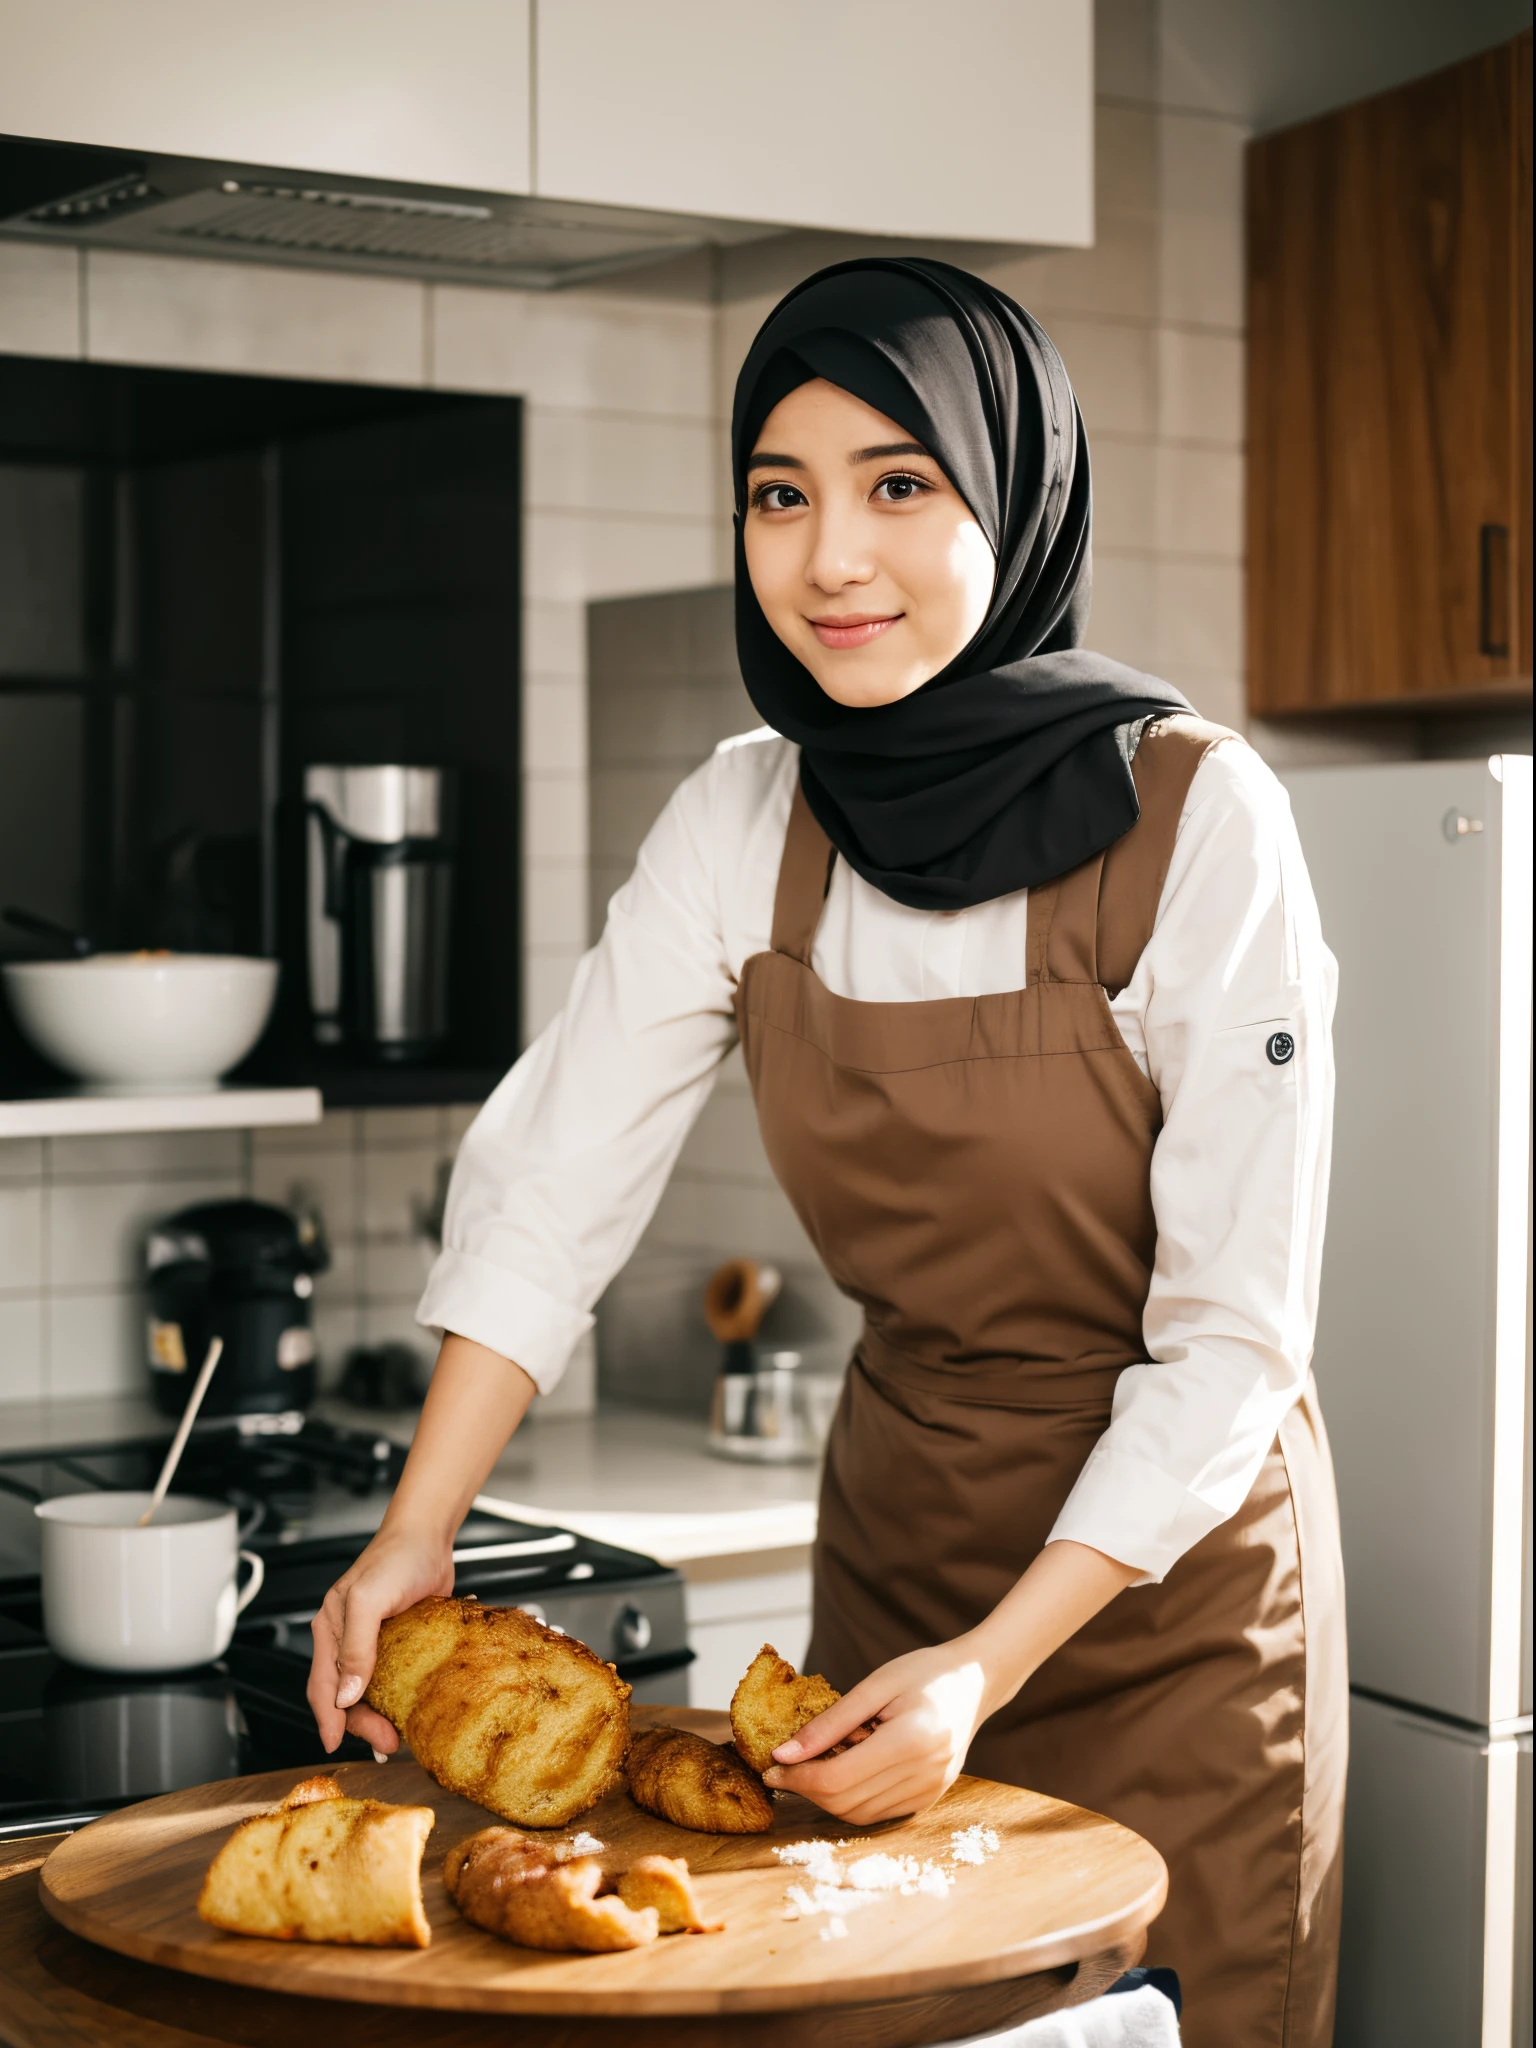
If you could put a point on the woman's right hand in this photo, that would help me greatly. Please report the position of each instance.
(397, 1569)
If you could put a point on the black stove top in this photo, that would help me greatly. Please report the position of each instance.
(74, 1743)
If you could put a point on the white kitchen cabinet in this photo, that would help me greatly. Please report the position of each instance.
(393, 89)
(730, 1619)
(873, 115)
(973, 120)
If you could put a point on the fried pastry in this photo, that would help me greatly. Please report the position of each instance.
(772, 1703)
(323, 1867)
(501, 1709)
(666, 1884)
(696, 1784)
(510, 1886)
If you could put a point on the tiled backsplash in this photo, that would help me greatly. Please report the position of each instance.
(74, 1213)
(664, 690)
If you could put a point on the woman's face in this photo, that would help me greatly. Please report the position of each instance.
(866, 560)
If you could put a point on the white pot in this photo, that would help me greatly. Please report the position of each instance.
(120, 1598)
(141, 1021)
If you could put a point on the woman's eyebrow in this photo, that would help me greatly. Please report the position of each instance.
(887, 448)
(763, 460)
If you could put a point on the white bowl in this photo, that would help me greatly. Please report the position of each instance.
(136, 1021)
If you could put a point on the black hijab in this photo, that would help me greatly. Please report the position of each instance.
(1011, 765)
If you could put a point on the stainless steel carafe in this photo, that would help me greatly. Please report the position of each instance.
(381, 853)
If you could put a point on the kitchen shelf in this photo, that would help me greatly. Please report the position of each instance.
(376, 1086)
(79, 1115)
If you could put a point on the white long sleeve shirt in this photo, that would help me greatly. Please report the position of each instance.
(563, 1167)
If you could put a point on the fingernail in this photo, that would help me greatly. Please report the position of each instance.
(349, 1692)
(773, 1776)
(788, 1752)
(381, 1756)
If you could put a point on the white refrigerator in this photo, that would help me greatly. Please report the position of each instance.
(1423, 879)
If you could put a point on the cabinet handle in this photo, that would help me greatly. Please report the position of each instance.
(1493, 591)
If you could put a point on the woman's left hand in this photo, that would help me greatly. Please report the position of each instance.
(928, 1705)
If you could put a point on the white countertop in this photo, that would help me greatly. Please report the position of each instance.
(646, 1482)
(632, 1477)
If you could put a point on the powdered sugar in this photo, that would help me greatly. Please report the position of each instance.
(817, 1859)
(837, 1889)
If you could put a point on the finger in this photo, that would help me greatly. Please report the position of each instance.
(838, 1722)
(900, 1795)
(372, 1727)
(359, 1646)
(320, 1691)
(835, 1776)
(900, 1804)
(877, 1799)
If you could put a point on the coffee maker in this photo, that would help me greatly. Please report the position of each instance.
(381, 844)
(243, 1271)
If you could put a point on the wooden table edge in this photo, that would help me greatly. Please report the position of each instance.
(229, 1966)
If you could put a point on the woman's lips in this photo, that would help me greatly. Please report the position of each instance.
(855, 631)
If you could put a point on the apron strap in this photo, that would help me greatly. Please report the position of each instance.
(805, 875)
(1093, 923)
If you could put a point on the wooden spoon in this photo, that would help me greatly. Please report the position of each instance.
(740, 1293)
(183, 1431)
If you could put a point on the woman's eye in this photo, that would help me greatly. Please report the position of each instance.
(900, 490)
(777, 497)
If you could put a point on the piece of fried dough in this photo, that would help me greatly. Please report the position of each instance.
(696, 1784)
(501, 1709)
(666, 1883)
(772, 1703)
(509, 1886)
(323, 1867)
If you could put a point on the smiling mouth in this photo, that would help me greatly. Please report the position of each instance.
(855, 631)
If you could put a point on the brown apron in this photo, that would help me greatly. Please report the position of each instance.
(975, 1172)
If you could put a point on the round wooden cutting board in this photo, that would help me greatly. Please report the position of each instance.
(1064, 1885)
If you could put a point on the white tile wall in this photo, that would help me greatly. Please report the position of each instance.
(582, 351)
(255, 318)
(40, 299)
(73, 1215)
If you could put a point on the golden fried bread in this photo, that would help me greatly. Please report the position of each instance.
(501, 1709)
(323, 1867)
(696, 1784)
(772, 1703)
(666, 1883)
(513, 1887)
(309, 1790)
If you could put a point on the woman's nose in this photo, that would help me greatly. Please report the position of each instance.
(839, 553)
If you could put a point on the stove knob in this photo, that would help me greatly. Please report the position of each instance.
(632, 1630)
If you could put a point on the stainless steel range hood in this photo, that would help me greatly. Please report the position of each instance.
(180, 206)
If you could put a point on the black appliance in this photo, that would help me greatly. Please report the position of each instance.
(243, 1271)
(309, 1493)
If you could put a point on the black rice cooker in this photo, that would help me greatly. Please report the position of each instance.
(243, 1271)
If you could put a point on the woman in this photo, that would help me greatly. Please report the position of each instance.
(1027, 974)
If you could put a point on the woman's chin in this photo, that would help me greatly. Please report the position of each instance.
(862, 689)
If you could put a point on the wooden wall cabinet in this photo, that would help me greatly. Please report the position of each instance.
(1389, 399)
